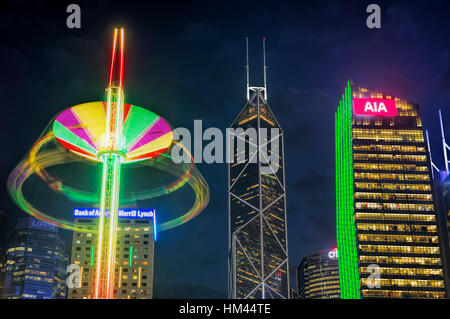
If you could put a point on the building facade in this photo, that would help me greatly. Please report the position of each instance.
(387, 221)
(35, 262)
(133, 277)
(318, 276)
(3, 231)
(446, 198)
(443, 195)
(258, 253)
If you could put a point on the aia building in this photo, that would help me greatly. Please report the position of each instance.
(388, 231)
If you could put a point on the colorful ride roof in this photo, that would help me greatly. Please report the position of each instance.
(80, 129)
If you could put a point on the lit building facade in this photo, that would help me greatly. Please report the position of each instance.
(35, 262)
(258, 253)
(387, 221)
(446, 198)
(3, 231)
(443, 195)
(133, 277)
(318, 276)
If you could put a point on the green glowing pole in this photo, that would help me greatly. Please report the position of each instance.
(111, 157)
(130, 261)
(92, 255)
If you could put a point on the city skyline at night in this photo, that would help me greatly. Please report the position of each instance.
(187, 63)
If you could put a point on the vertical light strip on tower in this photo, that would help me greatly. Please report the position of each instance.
(111, 157)
(346, 236)
(445, 146)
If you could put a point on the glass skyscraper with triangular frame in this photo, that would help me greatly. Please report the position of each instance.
(258, 252)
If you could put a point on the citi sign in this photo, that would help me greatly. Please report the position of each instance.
(377, 107)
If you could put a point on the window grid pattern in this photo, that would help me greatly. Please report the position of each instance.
(133, 278)
(345, 227)
(258, 260)
(318, 277)
(394, 207)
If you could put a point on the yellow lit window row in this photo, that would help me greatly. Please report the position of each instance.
(392, 186)
(400, 260)
(398, 238)
(389, 167)
(395, 206)
(366, 121)
(324, 288)
(389, 148)
(377, 121)
(392, 176)
(373, 293)
(389, 157)
(396, 217)
(388, 135)
(322, 279)
(404, 283)
(399, 249)
(397, 227)
(405, 271)
(394, 196)
(401, 105)
(323, 284)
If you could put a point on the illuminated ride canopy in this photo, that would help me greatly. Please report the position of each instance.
(115, 134)
(81, 129)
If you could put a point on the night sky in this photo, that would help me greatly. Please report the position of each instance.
(185, 61)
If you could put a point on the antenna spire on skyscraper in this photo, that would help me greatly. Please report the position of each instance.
(247, 67)
(265, 67)
(445, 146)
(256, 88)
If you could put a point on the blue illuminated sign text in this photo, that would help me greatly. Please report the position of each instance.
(123, 213)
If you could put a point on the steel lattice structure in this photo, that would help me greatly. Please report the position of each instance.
(258, 251)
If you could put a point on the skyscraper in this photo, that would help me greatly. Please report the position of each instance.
(3, 230)
(446, 199)
(35, 262)
(318, 275)
(258, 253)
(387, 222)
(442, 186)
(134, 254)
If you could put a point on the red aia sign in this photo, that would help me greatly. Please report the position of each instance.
(378, 107)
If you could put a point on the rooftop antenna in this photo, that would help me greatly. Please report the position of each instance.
(433, 166)
(445, 146)
(247, 67)
(265, 67)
